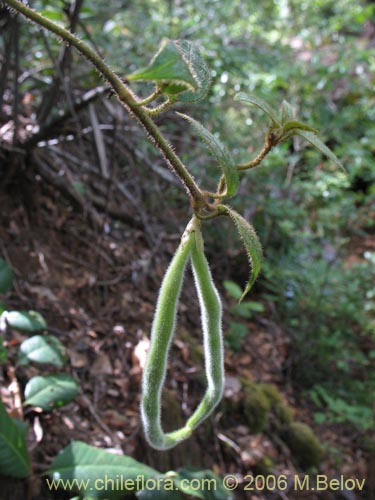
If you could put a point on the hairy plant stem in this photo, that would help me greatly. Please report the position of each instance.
(125, 95)
(269, 143)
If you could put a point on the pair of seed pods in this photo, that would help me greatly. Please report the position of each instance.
(163, 328)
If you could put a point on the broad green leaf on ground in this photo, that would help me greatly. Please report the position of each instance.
(94, 468)
(166, 490)
(211, 484)
(259, 103)
(50, 392)
(42, 349)
(252, 245)
(220, 152)
(14, 457)
(27, 321)
(6, 277)
(320, 146)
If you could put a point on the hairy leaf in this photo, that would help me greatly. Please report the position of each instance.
(221, 153)
(252, 245)
(199, 70)
(167, 66)
(320, 146)
(295, 124)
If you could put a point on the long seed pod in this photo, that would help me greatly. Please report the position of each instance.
(162, 333)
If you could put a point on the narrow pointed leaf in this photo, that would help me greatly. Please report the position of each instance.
(168, 66)
(287, 112)
(320, 146)
(259, 103)
(42, 349)
(88, 467)
(14, 457)
(295, 124)
(220, 152)
(50, 392)
(252, 246)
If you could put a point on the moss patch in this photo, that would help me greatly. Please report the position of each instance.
(256, 406)
(303, 444)
(281, 410)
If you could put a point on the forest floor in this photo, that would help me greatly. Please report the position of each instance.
(97, 293)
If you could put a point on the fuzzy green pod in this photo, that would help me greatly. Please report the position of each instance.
(162, 333)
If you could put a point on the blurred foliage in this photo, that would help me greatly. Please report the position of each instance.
(320, 57)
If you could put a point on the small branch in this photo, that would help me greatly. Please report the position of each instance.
(48, 130)
(62, 65)
(99, 142)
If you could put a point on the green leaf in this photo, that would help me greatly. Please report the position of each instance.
(27, 321)
(259, 103)
(93, 469)
(247, 308)
(42, 349)
(295, 124)
(168, 66)
(320, 146)
(50, 392)
(252, 245)
(287, 112)
(220, 152)
(212, 485)
(14, 457)
(180, 69)
(6, 277)
(166, 491)
(233, 289)
(199, 69)
(54, 15)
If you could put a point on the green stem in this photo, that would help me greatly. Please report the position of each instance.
(124, 94)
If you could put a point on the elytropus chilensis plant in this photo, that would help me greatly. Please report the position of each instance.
(180, 74)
